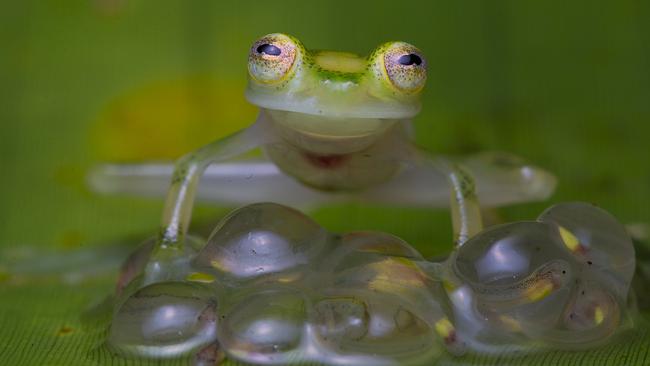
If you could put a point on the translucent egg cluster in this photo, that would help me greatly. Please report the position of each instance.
(562, 280)
(270, 286)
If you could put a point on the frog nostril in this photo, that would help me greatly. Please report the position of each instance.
(410, 59)
(269, 49)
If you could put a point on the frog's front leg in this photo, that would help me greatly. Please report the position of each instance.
(465, 210)
(188, 171)
(463, 201)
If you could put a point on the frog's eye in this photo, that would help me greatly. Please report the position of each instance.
(271, 58)
(405, 67)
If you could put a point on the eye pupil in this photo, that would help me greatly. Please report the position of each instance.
(410, 59)
(269, 49)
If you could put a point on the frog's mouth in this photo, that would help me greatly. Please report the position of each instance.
(327, 126)
(337, 107)
(328, 135)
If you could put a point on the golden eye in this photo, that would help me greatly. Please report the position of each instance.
(271, 58)
(405, 67)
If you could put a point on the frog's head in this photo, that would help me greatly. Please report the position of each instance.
(335, 93)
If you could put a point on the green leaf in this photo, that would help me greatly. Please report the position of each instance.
(562, 83)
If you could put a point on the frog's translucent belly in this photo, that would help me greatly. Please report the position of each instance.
(334, 172)
(333, 153)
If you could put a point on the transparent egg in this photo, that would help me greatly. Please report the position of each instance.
(134, 265)
(261, 239)
(366, 247)
(166, 319)
(507, 253)
(264, 327)
(341, 319)
(595, 237)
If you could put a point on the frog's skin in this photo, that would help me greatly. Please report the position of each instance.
(339, 124)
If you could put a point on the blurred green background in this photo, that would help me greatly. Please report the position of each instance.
(565, 84)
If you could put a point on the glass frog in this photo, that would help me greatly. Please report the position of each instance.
(270, 286)
(334, 126)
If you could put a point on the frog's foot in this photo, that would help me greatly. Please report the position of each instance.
(273, 287)
(503, 179)
(562, 280)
